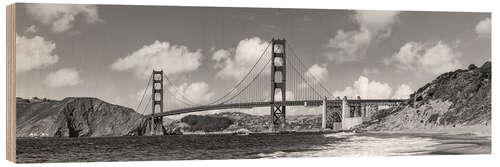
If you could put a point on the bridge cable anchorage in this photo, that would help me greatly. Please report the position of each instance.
(300, 61)
(144, 94)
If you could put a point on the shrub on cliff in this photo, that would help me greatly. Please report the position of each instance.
(207, 123)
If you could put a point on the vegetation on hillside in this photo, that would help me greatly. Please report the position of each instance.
(457, 98)
(206, 123)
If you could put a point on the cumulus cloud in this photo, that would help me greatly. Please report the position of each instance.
(370, 71)
(63, 77)
(366, 89)
(318, 72)
(403, 92)
(426, 57)
(221, 56)
(34, 53)
(198, 92)
(483, 28)
(31, 29)
(370, 89)
(61, 17)
(353, 45)
(235, 66)
(171, 58)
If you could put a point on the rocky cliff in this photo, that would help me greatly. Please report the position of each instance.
(454, 99)
(73, 117)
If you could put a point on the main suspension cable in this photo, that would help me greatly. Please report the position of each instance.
(300, 61)
(145, 90)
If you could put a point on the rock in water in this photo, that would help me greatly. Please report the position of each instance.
(74, 117)
(176, 128)
(457, 98)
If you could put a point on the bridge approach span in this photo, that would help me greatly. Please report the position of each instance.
(309, 103)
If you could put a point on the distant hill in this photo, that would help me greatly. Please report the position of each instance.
(73, 117)
(233, 121)
(259, 123)
(206, 123)
(453, 99)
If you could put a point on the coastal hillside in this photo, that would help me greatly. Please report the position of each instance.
(234, 121)
(259, 123)
(453, 99)
(73, 117)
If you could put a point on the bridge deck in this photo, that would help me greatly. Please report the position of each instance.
(337, 103)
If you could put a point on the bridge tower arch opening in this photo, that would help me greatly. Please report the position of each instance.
(157, 100)
(278, 82)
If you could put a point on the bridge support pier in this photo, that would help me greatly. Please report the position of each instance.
(345, 109)
(278, 81)
(351, 119)
(323, 114)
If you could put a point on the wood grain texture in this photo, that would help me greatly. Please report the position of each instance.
(11, 83)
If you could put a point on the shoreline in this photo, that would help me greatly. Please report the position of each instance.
(474, 139)
(477, 130)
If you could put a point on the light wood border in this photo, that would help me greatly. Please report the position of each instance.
(11, 83)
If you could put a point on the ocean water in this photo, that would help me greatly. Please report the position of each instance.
(220, 146)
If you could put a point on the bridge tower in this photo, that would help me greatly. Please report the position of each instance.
(157, 100)
(278, 81)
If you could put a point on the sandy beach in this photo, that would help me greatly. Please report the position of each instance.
(459, 140)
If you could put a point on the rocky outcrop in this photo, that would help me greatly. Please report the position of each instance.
(176, 127)
(73, 117)
(148, 127)
(457, 98)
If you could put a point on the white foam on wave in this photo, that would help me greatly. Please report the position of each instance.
(371, 146)
(356, 145)
(276, 154)
(340, 134)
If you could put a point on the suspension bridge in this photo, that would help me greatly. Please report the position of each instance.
(278, 78)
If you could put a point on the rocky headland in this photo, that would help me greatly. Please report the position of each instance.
(73, 117)
(460, 98)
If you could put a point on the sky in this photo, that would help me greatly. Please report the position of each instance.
(107, 51)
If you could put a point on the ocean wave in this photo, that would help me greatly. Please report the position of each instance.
(358, 145)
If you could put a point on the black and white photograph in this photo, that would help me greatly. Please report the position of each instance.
(100, 83)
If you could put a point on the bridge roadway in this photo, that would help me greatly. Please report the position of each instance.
(335, 103)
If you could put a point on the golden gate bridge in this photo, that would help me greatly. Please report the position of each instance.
(286, 73)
